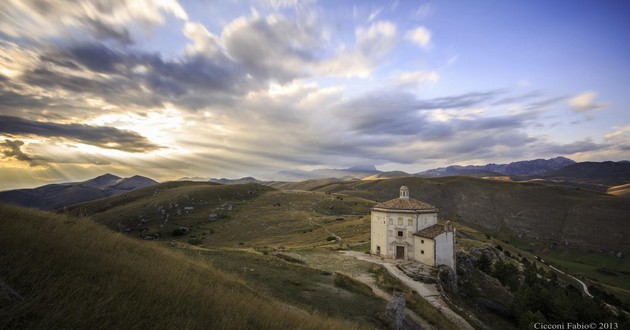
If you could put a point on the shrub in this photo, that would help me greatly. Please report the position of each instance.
(180, 231)
(484, 263)
(194, 241)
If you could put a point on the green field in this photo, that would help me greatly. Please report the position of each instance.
(254, 222)
(73, 273)
(605, 269)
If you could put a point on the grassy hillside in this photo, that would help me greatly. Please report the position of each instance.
(73, 273)
(560, 215)
(53, 196)
(242, 215)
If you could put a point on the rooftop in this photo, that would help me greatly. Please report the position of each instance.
(405, 204)
(431, 231)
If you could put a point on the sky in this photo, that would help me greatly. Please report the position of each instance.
(170, 89)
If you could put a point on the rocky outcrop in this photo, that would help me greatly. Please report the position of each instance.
(482, 291)
(395, 311)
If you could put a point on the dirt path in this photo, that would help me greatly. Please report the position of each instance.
(369, 281)
(584, 287)
(337, 237)
(428, 291)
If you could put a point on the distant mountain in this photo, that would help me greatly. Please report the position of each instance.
(522, 168)
(387, 175)
(195, 178)
(54, 196)
(363, 168)
(354, 172)
(247, 179)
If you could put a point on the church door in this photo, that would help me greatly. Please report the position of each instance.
(400, 252)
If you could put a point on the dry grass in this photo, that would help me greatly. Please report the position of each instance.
(74, 273)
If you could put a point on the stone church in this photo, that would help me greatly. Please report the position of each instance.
(405, 228)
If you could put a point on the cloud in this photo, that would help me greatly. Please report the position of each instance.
(621, 133)
(402, 113)
(574, 147)
(271, 47)
(374, 14)
(370, 48)
(415, 78)
(203, 42)
(125, 78)
(425, 11)
(585, 101)
(420, 36)
(377, 40)
(106, 19)
(13, 149)
(283, 4)
(101, 136)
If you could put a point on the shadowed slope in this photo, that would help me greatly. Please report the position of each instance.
(562, 215)
(73, 273)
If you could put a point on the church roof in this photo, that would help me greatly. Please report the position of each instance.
(431, 231)
(405, 204)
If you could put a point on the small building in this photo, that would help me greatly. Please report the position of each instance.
(405, 228)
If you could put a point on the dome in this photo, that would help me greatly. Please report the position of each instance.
(404, 202)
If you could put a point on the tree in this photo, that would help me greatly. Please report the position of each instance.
(484, 263)
(506, 273)
(528, 319)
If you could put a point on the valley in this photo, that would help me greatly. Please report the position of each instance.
(285, 244)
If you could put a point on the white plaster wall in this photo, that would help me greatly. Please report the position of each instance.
(379, 232)
(407, 229)
(444, 245)
(425, 220)
(384, 233)
(427, 247)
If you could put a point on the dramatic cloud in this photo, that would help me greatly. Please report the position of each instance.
(104, 137)
(396, 113)
(13, 149)
(371, 47)
(271, 47)
(204, 43)
(106, 19)
(251, 87)
(585, 101)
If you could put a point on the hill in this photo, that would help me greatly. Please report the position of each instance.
(231, 215)
(613, 173)
(73, 273)
(387, 175)
(621, 190)
(53, 196)
(359, 172)
(514, 210)
(526, 167)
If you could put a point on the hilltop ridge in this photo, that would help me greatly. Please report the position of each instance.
(54, 196)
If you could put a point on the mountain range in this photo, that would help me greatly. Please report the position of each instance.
(595, 176)
(521, 168)
(54, 196)
(559, 168)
